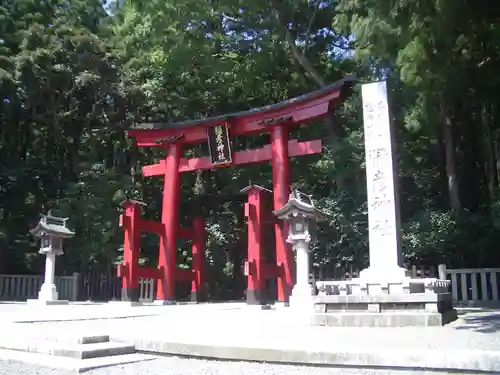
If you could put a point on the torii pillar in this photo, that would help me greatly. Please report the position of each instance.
(132, 233)
(281, 190)
(254, 267)
(169, 217)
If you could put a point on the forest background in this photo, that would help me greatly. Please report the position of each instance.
(74, 75)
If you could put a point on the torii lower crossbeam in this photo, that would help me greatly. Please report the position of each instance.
(295, 148)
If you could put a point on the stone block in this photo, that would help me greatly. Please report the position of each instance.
(381, 298)
(384, 319)
(373, 307)
(385, 310)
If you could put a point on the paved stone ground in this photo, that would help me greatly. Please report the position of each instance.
(20, 312)
(181, 366)
(238, 325)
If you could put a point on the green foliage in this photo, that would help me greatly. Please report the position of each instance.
(74, 75)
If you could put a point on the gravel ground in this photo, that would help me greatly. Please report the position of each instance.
(182, 366)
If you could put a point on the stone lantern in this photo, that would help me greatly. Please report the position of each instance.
(302, 216)
(52, 231)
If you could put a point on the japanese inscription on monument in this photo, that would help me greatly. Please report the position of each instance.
(219, 144)
(383, 204)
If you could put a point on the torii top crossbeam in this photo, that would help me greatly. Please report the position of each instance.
(296, 110)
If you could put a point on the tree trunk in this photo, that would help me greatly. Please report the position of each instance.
(2, 259)
(442, 198)
(450, 161)
(491, 164)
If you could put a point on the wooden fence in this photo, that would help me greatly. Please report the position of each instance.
(474, 286)
(469, 287)
(24, 287)
(107, 287)
(89, 287)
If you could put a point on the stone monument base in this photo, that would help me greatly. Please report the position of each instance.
(413, 302)
(394, 319)
(41, 302)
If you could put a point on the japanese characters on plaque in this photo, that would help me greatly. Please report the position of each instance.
(382, 206)
(219, 144)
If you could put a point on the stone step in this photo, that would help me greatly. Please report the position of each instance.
(27, 334)
(68, 339)
(69, 350)
(72, 364)
(92, 339)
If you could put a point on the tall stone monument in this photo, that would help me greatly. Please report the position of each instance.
(382, 190)
(384, 295)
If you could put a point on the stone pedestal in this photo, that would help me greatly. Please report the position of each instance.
(412, 302)
(302, 298)
(48, 292)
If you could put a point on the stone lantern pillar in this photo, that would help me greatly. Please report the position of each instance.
(51, 230)
(301, 214)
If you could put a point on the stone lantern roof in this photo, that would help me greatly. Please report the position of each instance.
(254, 186)
(52, 226)
(300, 204)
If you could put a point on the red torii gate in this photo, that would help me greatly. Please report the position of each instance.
(274, 119)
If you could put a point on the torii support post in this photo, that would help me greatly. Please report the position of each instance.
(198, 256)
(130, 221)
(281, 190)
(254, 211)
(165, 291)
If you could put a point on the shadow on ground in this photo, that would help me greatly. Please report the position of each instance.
(479, 320)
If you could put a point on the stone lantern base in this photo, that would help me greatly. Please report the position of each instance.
(362, 303)
(302, 298)
(48, 292)
(47, 296)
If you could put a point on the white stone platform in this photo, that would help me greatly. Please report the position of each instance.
(233, 331)
(18, 312)
(367, 303)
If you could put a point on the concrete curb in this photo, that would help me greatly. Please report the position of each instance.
(437, 360)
